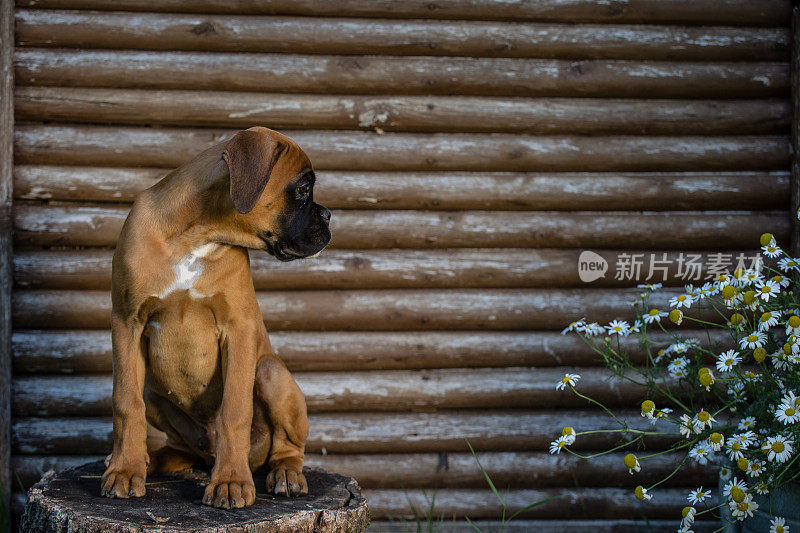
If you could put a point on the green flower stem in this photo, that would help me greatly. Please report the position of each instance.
(612, 415)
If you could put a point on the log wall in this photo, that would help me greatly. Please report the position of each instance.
(469, 151)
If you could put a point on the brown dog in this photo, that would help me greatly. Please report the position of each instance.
(190, 351)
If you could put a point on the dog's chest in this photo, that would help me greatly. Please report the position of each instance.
(188, 270)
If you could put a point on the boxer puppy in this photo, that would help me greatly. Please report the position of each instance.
(191, 354)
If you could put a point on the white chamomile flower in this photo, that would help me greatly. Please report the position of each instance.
(725, 473)
(594, 329)
(654, 315)
(735, 449)
(698, 495)
(557, 445)
(678, 368)
(735, 483)
(782, 281)
(757, 339)
(747, 422)
(649, 286)
(793, 325)
(778, 448)
(716, 441)
(787, 413)
(687, 517)
(743, 509)
(702, 419)
(642, 494)
(708, 289)
(570, 435)
(778, 525)
(682, 300)
(762, 488)
(574, 326)
(568, 379)
(771, 250)
(768, 289)
(701, 452)
(768, 319)
(648, 409)
(746, 438)
(787, 264)
(636, 327)
(686, 426)
(618, 327)
(754, 468)
(791, 399)
(736, 389)
(679, 347)
(661, 413)
(632, 463)
(726, 361)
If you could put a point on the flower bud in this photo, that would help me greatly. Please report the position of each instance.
(736, 319)
(630, 460)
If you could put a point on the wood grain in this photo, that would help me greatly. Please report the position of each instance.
(700, 12)
(89, 351)
(226, 33)
(403, 113)
(504, 191)
(222, 71)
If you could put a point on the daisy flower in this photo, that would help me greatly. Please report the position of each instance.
(654, 315)
(793, 325)
(778, 525)
(642, 494)
(754, 468)
(768, 319)
(618, 327)
(632, 463)
(569, 433)
(593, 329)
(734, 484)
(574, 326)
(782, 281)
(754, 340)
(787, 264)
(701, 452)
(648, 409)
(727, 360)
(559, 443)
(682, 300)
(678, 367)
(734, 449)
(568, 379)
(762, 488)
(661, 413)
(746, 438)
(716, 441)
(725, 473)
(791, 399)
(703, 419)
(787, 413)
(743, 509)
(708, 289)
(687, 516)
(778, 448)
(698, 495)
(686, 426)
(768, 289)
(747, 422)
(771, 250)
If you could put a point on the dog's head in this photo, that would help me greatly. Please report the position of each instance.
(272, 190)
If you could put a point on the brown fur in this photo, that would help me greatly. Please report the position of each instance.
(197, 362)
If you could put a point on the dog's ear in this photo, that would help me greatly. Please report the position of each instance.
(250, 156)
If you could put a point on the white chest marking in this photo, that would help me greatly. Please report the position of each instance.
(188, 270)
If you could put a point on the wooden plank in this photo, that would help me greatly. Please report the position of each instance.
(568, 191)
(404, 113)
(290, 73)
(357, 150)
(451, 470)
(794, 241)
(313, 35)
(481, 503)
(6, 224)
(394, 390)
(370, 310)
(547, 526)
(384, 269)
(89, 351)
(442, 431)
(99, 226)
(705, 12)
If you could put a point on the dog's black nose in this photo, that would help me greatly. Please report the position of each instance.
(324, 213)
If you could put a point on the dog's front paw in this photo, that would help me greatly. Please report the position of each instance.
(286, 478)
(124, 478)
(230, 489)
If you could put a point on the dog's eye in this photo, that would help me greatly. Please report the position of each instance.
(302, 191)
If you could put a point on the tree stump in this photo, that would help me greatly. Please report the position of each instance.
(71, 501)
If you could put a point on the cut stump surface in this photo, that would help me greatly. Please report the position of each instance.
(71, 501)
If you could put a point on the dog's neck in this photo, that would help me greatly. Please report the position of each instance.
(194, 207)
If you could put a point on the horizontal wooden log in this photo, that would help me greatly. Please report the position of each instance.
(89, 351)
(451, 470)
(310, 35)
(100, 226)
(548, 526)
(411, 309)
(443, 431)
(404, 75)
(705, 12)
(333, 150)
(394, 390)
(403, 113)
(387, 269)
(482, 503)
(453, 190)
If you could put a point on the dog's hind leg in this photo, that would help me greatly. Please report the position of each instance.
(285, 408)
